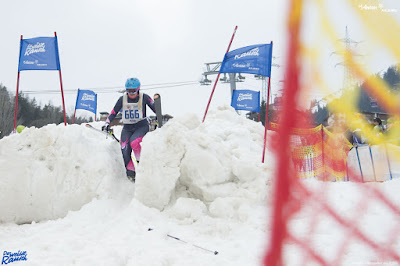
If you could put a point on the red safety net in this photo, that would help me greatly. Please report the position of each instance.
(311, 223)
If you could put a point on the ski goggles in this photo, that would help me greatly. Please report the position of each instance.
(132, 90)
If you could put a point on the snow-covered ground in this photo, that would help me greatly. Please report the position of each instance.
(65, 200)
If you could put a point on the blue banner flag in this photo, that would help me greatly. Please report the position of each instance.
(86, 100)
(253, 59)
(246, 100)
(39, 54)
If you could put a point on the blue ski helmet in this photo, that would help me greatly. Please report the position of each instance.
(132, 83)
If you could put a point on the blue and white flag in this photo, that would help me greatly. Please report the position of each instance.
(39, 54)
(246, 100)
(86, 100)
(253, 59)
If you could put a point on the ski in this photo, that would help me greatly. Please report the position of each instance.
(157, 105)
(110, 133)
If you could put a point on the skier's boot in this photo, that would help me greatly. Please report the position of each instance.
(131, 176)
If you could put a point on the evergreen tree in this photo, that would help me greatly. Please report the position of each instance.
(262, 113)
(392, 78)
(320, 116)
(29, 113)
(6, 112)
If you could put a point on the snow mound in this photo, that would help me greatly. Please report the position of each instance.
(187, 169)
(203, 166)
(46, 172)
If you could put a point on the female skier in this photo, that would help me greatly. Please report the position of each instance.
(133, 108)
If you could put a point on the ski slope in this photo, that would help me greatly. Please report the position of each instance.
(65, 200)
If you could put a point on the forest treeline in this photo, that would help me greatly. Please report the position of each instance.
(30, 113)
(319, 113)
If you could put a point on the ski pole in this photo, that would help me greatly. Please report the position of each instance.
(177, 238)
(110, 132)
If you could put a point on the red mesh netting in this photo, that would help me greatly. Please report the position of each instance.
(324, 223)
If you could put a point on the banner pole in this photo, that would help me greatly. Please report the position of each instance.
(16, 94)
(76, 103)
(266, 114)
(215, 84)
(95, 113)
(323, 152)
(16, 105)
(62, 96)
(62, 91)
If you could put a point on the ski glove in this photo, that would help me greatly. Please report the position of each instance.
(106, 127)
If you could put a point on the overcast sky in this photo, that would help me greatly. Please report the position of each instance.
(102, 43)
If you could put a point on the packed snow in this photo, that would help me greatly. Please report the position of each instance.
(65, 199)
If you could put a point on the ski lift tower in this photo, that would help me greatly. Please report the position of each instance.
(348, 78)
(263, 87)
(213, 69)
(264, 84)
